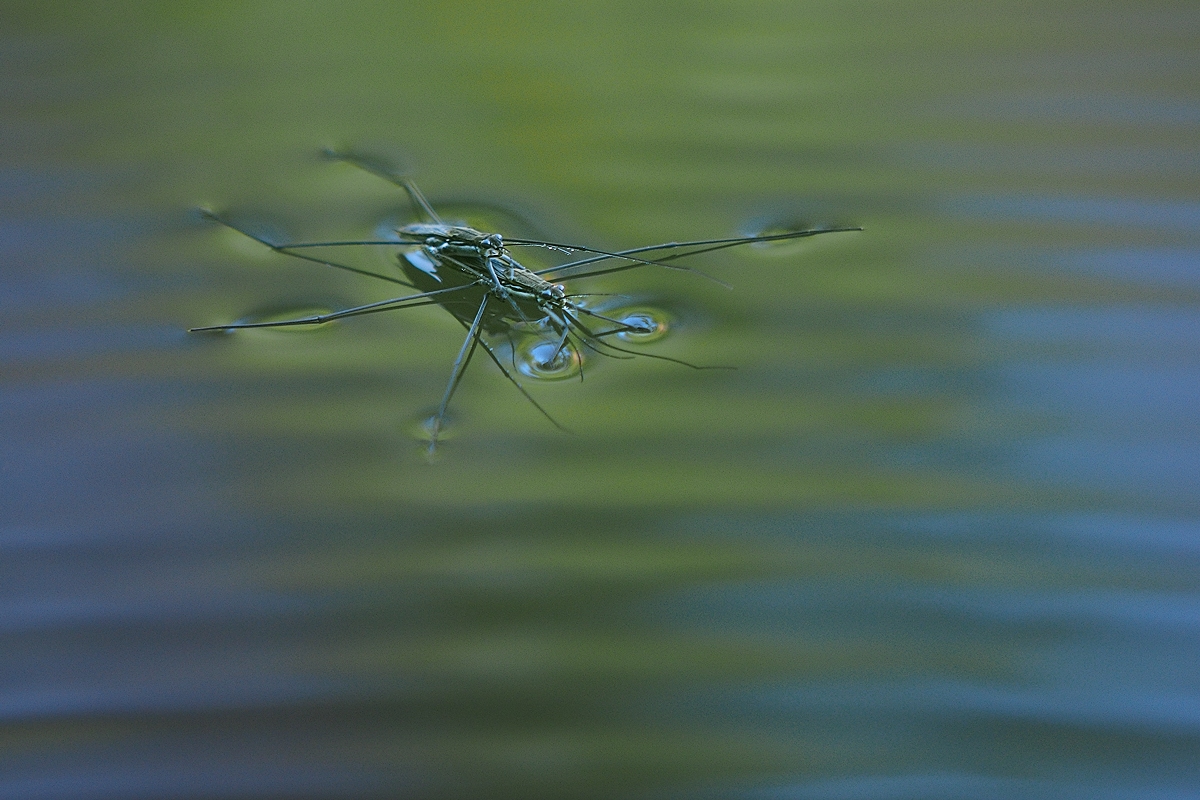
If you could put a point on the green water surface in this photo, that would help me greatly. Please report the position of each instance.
(934, 537)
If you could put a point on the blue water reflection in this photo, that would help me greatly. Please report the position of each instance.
(1162, 266)
(1151, 213)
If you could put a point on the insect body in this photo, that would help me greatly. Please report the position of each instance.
(473, 275)
(483, 260)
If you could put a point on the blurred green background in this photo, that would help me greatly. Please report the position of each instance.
(936, 536)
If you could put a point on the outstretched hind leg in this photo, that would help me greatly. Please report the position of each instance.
(391, 304)
(367, 165)
(289, 248)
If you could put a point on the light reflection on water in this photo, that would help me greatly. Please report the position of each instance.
(935, 537)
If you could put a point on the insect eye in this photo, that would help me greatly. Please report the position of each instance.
(433, 241)
(494, 241)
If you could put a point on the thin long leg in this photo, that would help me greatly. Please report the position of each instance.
(352, 243)
(561, 342)
(284, 249)
(460, 366)
(604, 254)
(716, 244)
(497, 286)
(414, 194)
(707, 246)
(495, 359)
(319, 319)
(731, 241)
(512, 347)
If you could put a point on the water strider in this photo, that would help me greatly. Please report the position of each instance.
(473, 275)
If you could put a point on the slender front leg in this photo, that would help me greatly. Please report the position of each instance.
(500, 288)
(496, 282)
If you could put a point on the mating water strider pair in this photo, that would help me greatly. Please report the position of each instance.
(473, 275)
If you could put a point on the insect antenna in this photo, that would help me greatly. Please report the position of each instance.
(378, 170)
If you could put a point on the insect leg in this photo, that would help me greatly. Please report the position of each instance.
(558, 347)
(414, 194)
(319, 319)
(705, 246)
(488, 276)
(558, 322)
(499, 364)
(512, 347)
(604, 254)
(286, 249)
(496, 360)
(497, 286)
(500, 290)
(460, 366)
(561, 343)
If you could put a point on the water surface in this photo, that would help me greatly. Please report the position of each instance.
(936, 536)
